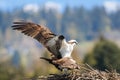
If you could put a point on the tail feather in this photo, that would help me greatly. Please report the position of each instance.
(46, 59)
(52, 62)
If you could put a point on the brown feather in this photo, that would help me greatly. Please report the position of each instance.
(40, 33)
(67, 63)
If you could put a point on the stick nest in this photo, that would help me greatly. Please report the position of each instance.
(85, 72)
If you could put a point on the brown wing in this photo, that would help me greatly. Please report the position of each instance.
(41, 33)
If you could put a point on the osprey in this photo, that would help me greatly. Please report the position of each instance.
(56, 44)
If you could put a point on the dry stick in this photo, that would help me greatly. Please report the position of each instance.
(95, 71)
(79, 69)
(115, 74)
(107, 71)
(73, 76)
(85, 68)
(74, 73)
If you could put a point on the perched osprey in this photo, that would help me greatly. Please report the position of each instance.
(56, 44)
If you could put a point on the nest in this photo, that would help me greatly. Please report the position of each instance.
(85, 72)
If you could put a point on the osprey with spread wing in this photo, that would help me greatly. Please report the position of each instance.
(56, 44)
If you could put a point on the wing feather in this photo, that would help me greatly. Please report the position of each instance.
(40, 33)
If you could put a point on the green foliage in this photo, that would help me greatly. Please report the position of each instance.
(90, 59)
(105, 55)
(9, 72)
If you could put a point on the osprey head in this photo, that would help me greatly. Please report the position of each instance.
(73, 42)
(61, 37)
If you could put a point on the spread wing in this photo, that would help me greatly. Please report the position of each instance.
(40, 33)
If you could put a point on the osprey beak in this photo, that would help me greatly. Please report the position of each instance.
(76, 43)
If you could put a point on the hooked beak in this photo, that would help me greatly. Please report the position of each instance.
(76, 43)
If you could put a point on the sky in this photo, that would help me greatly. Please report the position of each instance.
(59, 4)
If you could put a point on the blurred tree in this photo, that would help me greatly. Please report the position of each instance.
(16, 59)
(83, 22)
(100, 20)
(105, 55)
(51, 19)
(89, 58)
(115, 19)
(9, 72)
(67, 18)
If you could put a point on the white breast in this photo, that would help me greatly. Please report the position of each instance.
(66, 49)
